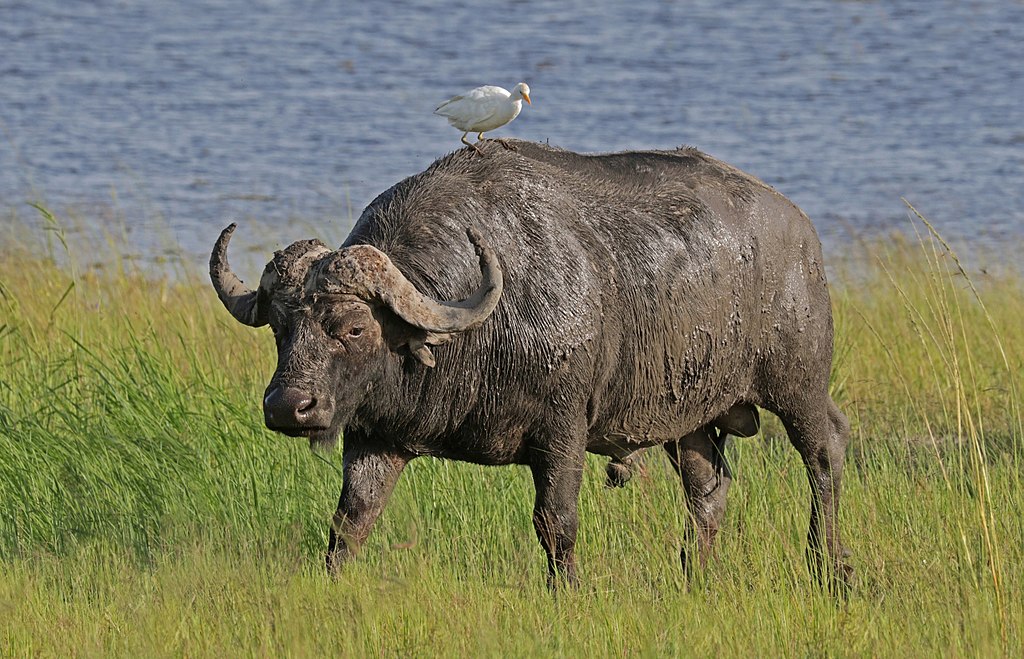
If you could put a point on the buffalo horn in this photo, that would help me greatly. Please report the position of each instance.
(391, 287)
(240, 300)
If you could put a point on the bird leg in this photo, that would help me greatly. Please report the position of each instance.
(470, 144)
(505, 143)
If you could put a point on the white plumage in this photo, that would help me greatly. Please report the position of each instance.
(483, 109)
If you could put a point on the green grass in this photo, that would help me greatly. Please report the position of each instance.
(144, 509)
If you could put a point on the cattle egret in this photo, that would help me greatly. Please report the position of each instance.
(484, 109)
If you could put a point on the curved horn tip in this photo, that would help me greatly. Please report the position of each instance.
(474, 235)
(478, 240)
(224, 237)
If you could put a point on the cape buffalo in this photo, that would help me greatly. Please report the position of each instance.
(602, 303)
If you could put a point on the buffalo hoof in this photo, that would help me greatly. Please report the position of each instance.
(563, 582)
(621, 469)
(618, 474)
(835, 574)
(333, 563)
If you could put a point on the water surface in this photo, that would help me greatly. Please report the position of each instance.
(171, 119)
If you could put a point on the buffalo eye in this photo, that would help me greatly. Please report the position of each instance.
(345, 334)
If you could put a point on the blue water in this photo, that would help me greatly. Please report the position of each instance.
(171, 118)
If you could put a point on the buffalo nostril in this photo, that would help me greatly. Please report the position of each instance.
(303, 408)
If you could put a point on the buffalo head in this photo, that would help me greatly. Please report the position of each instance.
(337, 315)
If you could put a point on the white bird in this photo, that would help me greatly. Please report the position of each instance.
(484, 109)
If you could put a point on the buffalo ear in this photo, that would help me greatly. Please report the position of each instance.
(419, 346)
(399, 335)
(421, 352)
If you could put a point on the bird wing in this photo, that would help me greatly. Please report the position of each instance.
(473, 107)
(440, 108)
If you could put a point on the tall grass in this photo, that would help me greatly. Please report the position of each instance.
(145, 509)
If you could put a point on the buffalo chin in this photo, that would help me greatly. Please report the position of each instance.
(324, 441)
(320, 439)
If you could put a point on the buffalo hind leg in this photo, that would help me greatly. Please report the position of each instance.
(557, 479)
(699, 460)
(369, 478)
(821, 437)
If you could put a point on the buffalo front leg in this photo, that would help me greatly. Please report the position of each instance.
(369, 478)
(557, 479)
(699, 460)
(821, 438)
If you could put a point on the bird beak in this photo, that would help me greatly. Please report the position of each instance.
(526, 97)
